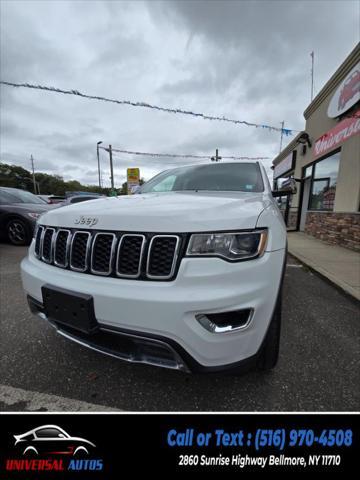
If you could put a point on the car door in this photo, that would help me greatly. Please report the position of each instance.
(4, 202)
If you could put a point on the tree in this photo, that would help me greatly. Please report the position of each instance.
(73, 186)
(15, 176)
(50, 184)
(18, 177)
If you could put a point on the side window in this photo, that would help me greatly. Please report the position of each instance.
(48, 433)
(166, 185)
(6, 198)
(78, 199)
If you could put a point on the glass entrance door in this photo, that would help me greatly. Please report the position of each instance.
(305, 202)
(289, 212)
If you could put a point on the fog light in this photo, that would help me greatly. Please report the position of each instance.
(225, 321)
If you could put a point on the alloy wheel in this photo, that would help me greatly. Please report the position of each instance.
(16, 232)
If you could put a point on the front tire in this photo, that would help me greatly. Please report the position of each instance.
(18, 232)
(270, 349)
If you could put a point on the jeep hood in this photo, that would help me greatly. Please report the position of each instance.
(164, 212)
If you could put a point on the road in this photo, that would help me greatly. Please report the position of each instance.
(318, 367)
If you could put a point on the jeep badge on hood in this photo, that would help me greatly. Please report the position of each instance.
(89, 221)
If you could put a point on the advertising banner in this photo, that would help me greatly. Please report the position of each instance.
(336, 136)
(105, 446)
(347, 93)
(284, 166)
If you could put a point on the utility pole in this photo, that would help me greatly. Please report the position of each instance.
(216, 158)
(282, 134)
(98, 160)
(33, 172)
(312, 74)
(111, 169)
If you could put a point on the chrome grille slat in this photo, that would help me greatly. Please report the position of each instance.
(142, 256)
(163, 267)
(47, 245)
(105, 256)
(61, 247)
(79, 251)
(133, 267)
(38, 240)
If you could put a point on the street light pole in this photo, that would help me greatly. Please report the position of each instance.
(98, 160)
(111, 169)
(282, 134)
(33, 173)
(216, 158)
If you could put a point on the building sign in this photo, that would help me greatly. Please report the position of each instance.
(337, 135)
(284, 166)
(133, 179)
(346, 95)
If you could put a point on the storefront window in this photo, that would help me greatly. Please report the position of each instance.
(324, 183)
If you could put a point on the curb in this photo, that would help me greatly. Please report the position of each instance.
(321, 272)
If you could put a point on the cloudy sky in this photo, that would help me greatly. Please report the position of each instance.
(248, 60)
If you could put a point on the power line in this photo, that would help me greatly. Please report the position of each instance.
(285, 131)
(176, 155)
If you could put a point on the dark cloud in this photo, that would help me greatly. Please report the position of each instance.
(119, 52)
(244, 59)
(262, 31)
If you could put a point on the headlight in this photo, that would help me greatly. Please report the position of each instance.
(34, 215)
(230, 246)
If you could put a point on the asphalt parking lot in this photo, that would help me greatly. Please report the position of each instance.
(318, 367)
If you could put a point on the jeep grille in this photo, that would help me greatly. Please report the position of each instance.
(145, 256)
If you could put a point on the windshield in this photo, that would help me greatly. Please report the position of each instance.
(49, 433)
(225, 177)
(13, 195)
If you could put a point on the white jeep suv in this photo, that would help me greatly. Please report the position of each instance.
(185, 275)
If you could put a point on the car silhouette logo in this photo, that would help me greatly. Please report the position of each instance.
(350, 88)
(53, 440)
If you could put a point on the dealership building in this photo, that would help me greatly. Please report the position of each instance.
(324, 159)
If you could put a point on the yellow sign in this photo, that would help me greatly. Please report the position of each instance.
(133, 175)
(133, 179)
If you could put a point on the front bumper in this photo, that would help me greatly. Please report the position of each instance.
(127, 346)
(165, 312)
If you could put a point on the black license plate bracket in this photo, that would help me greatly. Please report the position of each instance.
(73, 309)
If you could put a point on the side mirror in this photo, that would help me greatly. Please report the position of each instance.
(287, 188)
(277, 193)
(61, 435)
